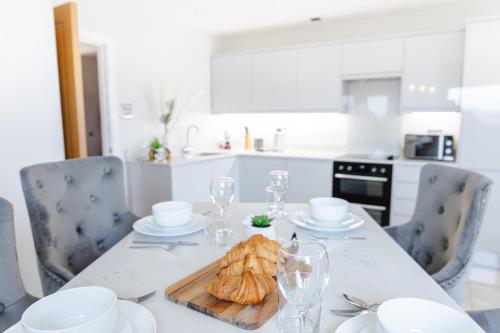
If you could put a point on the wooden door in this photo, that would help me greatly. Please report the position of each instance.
(70, 80)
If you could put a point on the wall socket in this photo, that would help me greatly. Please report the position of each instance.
(127, 110)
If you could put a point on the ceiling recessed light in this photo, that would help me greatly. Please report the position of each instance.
(199, 13)
(315, 19)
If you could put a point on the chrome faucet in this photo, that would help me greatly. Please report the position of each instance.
(188, 149)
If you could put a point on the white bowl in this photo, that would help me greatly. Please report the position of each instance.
(328, 209)
(409, 315)
(78, 310)
(172, 213)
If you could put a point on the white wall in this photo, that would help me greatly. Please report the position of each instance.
(30, 116)
(449, 16)
(151, 53)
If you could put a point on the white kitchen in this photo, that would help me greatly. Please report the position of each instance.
(229, 114)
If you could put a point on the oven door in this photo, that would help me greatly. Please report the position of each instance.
(372, 193)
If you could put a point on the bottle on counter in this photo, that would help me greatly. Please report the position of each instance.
(248, 140)
(279, 140)
(227, 140)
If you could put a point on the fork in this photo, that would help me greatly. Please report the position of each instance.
(166, 247)
(140, 298)
(342, 238)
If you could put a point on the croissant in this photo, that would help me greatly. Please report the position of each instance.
(258, 245)
(249, 288)
(251, 263)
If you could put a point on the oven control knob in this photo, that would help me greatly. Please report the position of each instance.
(448, 151)
(374, 169)
(362, 167)
(349, 168)
(382, 170)
(341, 167)
(448, 143)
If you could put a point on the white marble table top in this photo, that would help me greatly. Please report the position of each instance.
(376, 269)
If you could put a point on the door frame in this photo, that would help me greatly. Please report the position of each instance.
(107, 98)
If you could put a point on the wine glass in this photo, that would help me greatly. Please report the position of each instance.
(222, 194)
(303, 276)
(278, 188)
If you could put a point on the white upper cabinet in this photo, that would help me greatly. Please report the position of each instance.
(275, 81)
(232, 84)
(318, 78)
(377, 58)
(432, 74)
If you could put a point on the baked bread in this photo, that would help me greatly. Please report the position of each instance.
(257, 245)
(249, 288)
(251, 263)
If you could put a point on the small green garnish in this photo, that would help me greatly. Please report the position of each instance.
(261, 221)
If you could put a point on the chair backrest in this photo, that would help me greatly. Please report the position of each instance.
(447, 217)
(11, 286)
(77, 210)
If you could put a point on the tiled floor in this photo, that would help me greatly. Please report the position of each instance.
(483, 289)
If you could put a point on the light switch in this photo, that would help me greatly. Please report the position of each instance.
(127, 110)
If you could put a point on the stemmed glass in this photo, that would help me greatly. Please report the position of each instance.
(277, 190)
(222, 194)
(303, 277)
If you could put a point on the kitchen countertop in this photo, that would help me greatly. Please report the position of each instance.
(311, 154)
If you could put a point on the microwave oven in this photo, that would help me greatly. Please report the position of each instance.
(437, 147)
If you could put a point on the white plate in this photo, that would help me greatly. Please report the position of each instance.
(365, 323)
(132, 318)
(346, 220)
(145, 226)
(296, 218)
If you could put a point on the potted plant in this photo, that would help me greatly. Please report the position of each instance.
(154, 147)
(260, 224)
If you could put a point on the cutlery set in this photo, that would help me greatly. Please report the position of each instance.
(361, 307)
(165, 245)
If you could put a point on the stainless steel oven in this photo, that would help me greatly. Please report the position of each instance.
(366, 184)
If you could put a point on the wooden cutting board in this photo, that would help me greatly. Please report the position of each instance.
(191, 293)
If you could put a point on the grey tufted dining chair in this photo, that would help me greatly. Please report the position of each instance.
(442, 233)
(13, 298)
(78, 211)
(489, 320)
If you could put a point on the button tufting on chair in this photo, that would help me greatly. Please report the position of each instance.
(93, 218)
(59, 208)
(100, 244)
(38, 184)
(2, 309)
(68, 179)
(447, 241)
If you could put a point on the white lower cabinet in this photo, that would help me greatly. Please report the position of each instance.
(309, 178)
(254, 176)
(404, 192)
(191, 181)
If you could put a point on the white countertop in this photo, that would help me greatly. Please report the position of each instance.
(305, 154)
(376, 269)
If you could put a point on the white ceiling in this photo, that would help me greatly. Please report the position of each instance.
(228, 16)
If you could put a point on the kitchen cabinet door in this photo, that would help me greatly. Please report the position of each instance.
(275, 81)
(308, 179)
(318, 79)
(376, 58)
(191, 181)
(254, 176)
(227, 167)
(432, 75)
(232, 84)
(480, 105)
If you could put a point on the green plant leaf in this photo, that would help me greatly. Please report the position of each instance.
(261, 221)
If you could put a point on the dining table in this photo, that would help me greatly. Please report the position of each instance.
(375, 269)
